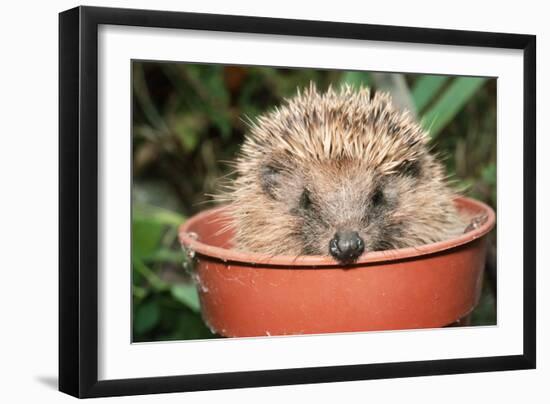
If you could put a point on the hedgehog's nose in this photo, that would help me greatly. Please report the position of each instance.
(346, 246)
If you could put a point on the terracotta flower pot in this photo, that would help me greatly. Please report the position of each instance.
(244, 294)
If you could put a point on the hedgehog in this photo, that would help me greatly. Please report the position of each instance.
(339, 174)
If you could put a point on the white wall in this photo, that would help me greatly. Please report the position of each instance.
(28, 167)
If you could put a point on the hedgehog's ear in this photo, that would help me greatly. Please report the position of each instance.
(410, 168)
(269, 179)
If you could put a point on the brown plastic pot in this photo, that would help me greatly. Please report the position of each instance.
(245, 294)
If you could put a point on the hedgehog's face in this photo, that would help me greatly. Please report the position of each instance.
(340, 174)
(340, 208)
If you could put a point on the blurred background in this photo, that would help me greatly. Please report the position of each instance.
(188, 121)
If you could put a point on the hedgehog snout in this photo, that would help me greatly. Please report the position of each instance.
(346, 246)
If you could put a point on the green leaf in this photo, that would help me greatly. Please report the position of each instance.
(489, 174)
(450, 103)
(146, 235)
(191, 326)
(154, 280)
(184, 325)
(139, 292)
(189, 128)
(166, 255)
(187, 294)
(484, 313)
(150, 213)
(425, 88)
(209, 84)
(146, 317)
(150, 225)
(356, 79)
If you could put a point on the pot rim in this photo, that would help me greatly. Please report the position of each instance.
(253, 259)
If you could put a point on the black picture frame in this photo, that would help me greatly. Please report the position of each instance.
(78, 200)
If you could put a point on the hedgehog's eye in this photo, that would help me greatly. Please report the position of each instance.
(269, 178)
(305, 200)
(376, 204)
(377, 197)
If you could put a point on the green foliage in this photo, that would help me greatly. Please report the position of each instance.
(425, 89)
(356, 79)
(146, 317)
(190, 119)
(164, 298)
(187, 294)
(450, 103)
(484, 314)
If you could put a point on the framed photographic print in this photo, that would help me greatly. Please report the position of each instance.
(252, 201)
